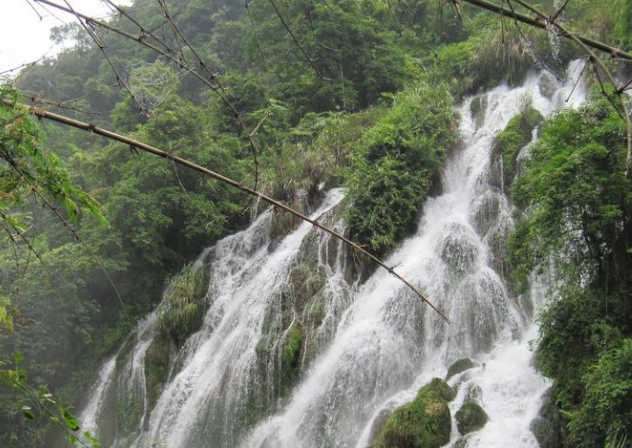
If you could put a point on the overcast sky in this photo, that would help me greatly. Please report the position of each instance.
(24, 33)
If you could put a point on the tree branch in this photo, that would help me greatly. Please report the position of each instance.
(189, 164)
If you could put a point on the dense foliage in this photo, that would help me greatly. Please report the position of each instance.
(393, 165)
(579, 206)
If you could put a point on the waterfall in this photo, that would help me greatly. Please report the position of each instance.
(364, 350)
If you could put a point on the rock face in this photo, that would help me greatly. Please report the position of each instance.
(548, 427)
(471, 417)
(425, 422)
(459, 366)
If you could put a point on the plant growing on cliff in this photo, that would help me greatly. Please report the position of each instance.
(394, 164)
(181, 312)
(580, 220)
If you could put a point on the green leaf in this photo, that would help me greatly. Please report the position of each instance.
(71, 421)
(28, 413)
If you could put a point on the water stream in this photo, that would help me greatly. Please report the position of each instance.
(366, 349)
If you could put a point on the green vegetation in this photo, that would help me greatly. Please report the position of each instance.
(470, 417)
(292, 347)
(181, 312)
(373, 112)
(425, 422)
(516, 135)
(156, 368)
(394, 164)
(580, 207)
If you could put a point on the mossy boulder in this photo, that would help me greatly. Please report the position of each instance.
(548, 427)
(459, 366)
(516, 135)
(471, 417)
(181, 312)
(292, 348)
(156, 368)
(425, 422)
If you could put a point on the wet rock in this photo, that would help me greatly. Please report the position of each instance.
(548, 427)
(478, 106)
(156, 368)
(459, 251)
(471, 417)
(473, 393)
(547, 86)
(487, 212)
(462, 442)
(459, 366)
(425, 422)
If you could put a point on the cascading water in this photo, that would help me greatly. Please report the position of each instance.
(366, 350)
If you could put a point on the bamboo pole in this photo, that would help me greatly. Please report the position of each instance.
(38, 112)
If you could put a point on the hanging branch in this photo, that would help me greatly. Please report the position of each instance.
(254, 29)
(397, 25)
(212, 174)
(99, 43)
(32, 250)
(63, 220)
(406, 10)
(598, 65)
(310, 7)
(541, 23)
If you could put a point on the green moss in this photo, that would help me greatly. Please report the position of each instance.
(516, 135)
(129, 405)
(181, 312)
(459, 366)
(425, 422)
(471, 417)
(292, 348)
(156, 368)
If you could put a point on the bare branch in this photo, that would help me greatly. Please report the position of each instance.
(308, 58)
(541, 22)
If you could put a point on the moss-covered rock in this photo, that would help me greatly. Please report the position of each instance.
(459, 366)
(516, 135)
(181, 312)
(425, 422)
(471, 417)
(156, 368)
(548, 427)
(292, 348)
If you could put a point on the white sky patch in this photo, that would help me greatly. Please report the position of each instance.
(24, 33)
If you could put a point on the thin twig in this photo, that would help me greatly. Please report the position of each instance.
(595, 60)
(254, 29)
(308, 58)
(411, 25)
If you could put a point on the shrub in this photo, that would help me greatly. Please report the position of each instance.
(393, 165)
(181, 312)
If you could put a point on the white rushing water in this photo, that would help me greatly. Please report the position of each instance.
(372, 347)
